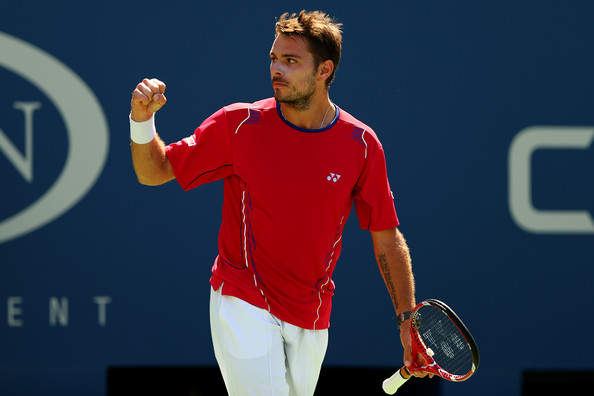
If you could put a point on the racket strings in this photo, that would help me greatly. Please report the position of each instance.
(450, 348)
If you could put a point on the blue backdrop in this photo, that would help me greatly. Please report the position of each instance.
(485, 110)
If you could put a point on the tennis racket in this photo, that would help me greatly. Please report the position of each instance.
(441, 338)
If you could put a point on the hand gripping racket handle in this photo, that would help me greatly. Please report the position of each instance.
(392, 384)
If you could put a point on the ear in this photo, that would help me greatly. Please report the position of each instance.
(325, 70)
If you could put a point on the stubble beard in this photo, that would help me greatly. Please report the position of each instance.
(300, 100)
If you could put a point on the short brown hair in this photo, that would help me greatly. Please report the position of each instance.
(323, 34)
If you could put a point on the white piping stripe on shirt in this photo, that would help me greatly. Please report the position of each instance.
(244, 227)
(363, 138)
(327, 281)
(245, 247)
(247, 118)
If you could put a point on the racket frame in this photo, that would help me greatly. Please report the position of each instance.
(418, 346)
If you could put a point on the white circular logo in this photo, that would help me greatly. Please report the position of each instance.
(86, 127)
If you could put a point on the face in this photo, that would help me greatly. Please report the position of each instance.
(292, 71)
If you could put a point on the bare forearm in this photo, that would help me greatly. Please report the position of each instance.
(393, 258)
(150, 162)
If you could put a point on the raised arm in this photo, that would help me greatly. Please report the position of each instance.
(148, 150)
(393, 259)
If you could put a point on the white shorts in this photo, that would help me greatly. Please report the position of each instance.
(261, 355)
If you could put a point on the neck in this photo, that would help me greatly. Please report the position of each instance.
(316, 116)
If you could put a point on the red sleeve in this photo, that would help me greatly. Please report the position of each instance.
(374, 201)
(205, 156)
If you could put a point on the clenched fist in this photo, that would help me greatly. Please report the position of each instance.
(147, 98)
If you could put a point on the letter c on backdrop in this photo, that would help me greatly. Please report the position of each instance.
(523, 212)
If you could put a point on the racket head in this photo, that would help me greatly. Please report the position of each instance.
(443, 340)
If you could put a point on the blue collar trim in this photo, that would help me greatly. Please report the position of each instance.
(280, 114)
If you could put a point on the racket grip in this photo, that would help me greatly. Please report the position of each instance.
(391, 385)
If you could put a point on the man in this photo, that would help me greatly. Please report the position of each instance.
(292, 166)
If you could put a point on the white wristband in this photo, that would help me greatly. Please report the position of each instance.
(142, 132)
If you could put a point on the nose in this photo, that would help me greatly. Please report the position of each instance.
(275, 69)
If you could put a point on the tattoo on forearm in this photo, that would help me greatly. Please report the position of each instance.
(382, 260)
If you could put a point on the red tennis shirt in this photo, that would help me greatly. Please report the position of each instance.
(287, 195)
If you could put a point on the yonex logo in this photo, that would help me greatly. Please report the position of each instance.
(333, 177)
